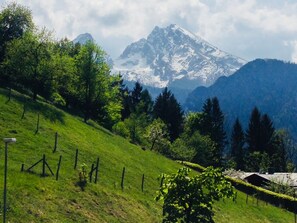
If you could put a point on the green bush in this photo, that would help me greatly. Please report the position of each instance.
(121, 129)
(57, 99)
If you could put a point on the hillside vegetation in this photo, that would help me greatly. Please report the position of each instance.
(32, 198)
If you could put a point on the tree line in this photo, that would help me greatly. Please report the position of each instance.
(78, 78)
(69, 75)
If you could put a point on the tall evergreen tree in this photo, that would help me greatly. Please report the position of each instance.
(135, 96)
(146, 102)
(218, 133)
(267, 132)
(206, 121)
(169, 110)
(237, 143)
(253, 136)
(212, 124)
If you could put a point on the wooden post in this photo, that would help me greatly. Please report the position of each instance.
(37, 127)
(97, 169)
(123, 176)
(142, 182)
(91, 172)
(43, 165)
(75, 161)
(23, 167)
(56, 142)
(58, 170)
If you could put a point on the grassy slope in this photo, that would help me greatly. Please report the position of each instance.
(35, 199)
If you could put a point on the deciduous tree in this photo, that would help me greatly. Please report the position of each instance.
(189, 199)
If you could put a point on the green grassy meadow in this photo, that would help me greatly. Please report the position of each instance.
(32, 198)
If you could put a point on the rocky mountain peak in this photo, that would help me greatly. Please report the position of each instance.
(83, 38)
(173, 56)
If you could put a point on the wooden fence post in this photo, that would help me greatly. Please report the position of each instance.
(37, 126)
(142, 182)
(91, 172)
(23, 167)
(75, 161)
(123, 176)
(58, 170)
(56, 142)
(97, 169)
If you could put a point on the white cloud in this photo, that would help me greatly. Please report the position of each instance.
(249, 28)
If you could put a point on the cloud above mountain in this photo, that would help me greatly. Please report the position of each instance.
(247, 28)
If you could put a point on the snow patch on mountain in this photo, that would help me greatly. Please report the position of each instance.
(173, 54)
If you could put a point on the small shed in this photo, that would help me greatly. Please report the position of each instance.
(257, 180)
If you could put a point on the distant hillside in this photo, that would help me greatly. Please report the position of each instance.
(268, 84)
(32, 198)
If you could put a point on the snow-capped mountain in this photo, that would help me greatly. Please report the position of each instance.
(175, 57)
(83, 38)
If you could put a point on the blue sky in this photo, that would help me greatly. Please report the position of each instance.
(246, 28)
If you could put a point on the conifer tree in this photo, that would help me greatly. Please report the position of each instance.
(237, 143)
(267, 132)
(135, 96)
(206, 121)
(253, 137)
(212, 124)
(169, 110)
(218, 133)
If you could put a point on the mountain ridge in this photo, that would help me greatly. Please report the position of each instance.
(268, 84)
(174, 56)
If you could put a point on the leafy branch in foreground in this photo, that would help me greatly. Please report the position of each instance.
(190, 199)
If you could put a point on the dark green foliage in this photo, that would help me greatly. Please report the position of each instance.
(207, 119)
(253, 134)
(169, 110)
(190, 199)
(125, 94)
(279, 157)
(15, 20)
(195, 148)
(146, 103)
(266, 132)
(237, 143)
(29, 63)
(212, 124)
(193, 123)
(136, 96)
(136, 101)
(267, 148)
(99, 92)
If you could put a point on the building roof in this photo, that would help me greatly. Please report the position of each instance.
(280, 178)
